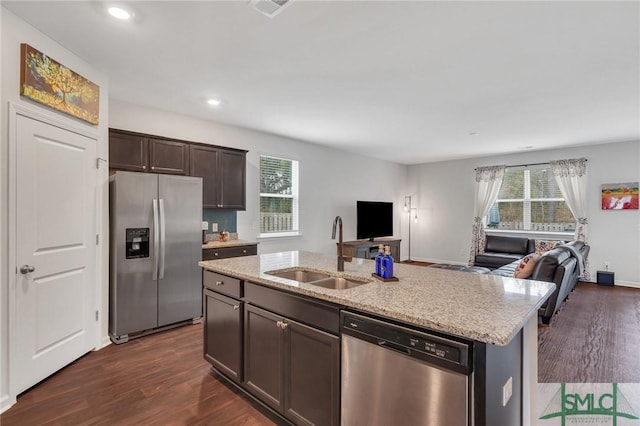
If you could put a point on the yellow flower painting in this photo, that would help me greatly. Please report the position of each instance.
(52, 84)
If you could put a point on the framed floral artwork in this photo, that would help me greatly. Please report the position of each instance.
(50, 83)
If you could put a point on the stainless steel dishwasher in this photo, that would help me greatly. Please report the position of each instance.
(394, 375)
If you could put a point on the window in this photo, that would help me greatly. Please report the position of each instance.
(278, 196)
(530, 200)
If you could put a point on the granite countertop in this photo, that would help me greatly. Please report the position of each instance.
(486, 308)
(230, 243)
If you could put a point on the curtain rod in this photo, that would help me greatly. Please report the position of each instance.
(527, 165)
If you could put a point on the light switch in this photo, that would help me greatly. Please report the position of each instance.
(205, 226)
(214, 227)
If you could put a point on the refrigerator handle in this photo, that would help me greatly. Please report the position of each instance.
(156, 239)
(162, 237)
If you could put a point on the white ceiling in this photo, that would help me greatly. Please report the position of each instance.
(401, 81)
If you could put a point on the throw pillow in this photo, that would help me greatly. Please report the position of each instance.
(525, 268)
(546, 245)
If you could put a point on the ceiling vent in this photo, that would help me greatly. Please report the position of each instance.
(269, 8)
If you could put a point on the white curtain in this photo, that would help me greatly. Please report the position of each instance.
(488, 182)
(571, 176)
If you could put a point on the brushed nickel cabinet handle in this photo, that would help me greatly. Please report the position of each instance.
(219, 282)
(284, 325)
(236, 307)
(279, 324)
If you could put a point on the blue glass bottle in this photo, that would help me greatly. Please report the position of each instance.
(387, 263)
(378, 258)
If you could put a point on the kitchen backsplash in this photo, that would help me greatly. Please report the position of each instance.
(226, 219)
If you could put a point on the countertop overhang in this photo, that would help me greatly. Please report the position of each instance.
(486, 308)
(230, 243)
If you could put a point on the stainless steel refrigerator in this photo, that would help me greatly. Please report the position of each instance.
(156, 242)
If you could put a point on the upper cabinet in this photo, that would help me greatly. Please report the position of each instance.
(223, 170)
(223, 173)
(169, 157)
(140, 153)
(128, 152)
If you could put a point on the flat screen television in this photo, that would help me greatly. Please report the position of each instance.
(373, 219)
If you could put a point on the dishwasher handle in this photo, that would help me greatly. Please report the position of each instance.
(394, 347)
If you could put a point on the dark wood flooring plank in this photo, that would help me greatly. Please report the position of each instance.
(160, 379)
(595, 337)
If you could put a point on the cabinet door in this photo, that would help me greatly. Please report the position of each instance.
(223, 334)
(312, 375)
(170, 157)
(204, 163)
(128, 152)
(263, 356)
(233, 174)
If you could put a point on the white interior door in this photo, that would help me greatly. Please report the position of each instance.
(53, 315)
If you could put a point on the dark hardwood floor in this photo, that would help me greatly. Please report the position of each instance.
(162, 379)
(594, 338)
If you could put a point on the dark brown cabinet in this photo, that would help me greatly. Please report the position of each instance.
(292, 367)
(223, 333)
(263, 356)
(128, 152)
(169, 157)
(223, 170)
(366, 249)
(223, 174)
(140, 153)
(225, 252)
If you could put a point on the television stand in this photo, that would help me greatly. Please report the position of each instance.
(366, 249)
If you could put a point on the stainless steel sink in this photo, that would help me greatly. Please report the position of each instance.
(320, 279)
(337, 283)
(300, 275)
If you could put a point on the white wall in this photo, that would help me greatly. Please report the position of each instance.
(330, 180)
(13, 32)
(445, 192)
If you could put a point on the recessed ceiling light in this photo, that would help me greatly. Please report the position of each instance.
(120, 13)
(214, 102)
(473, 134)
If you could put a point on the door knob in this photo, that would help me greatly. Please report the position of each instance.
(25, 269)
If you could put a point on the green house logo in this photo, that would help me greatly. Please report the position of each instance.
(589, 407)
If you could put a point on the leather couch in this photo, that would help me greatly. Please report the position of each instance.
(561, 266)
(500, 250)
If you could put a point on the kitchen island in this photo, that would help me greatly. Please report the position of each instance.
(495, 316)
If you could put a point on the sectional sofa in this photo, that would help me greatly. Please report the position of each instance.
(562, 265)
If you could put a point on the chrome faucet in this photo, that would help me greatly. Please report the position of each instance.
(338, 221)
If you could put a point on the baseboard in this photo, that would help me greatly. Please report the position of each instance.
(104, 342)
(620, 283)
(6, 402)
(627, 284)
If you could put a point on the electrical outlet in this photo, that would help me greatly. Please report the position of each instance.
(507, 391)
(214, 227)
(205, 226)
(607, 265)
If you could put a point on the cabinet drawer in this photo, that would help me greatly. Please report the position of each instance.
(316, 314)
(222, 284)
(225, 252)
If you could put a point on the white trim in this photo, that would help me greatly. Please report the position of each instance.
(6, 402)
(276, 235)
(104, 342)
(627, 284)
(32, 112)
